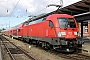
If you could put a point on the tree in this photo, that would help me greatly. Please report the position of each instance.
(2, 29)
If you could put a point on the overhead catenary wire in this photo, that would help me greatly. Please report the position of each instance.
(43, 8)
(15, 7)
(38, 6)
(26, 10)
(11, 4)
(12, 11)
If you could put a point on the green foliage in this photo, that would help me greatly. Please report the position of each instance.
(2, 29)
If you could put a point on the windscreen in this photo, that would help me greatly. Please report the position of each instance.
(66, 23)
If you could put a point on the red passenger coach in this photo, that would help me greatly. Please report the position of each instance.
(56, 31)
(5, 32)
(17, 31)
(20, 30)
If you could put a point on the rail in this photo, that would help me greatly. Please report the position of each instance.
(10, 54)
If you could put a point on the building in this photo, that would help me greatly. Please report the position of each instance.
(86, 28)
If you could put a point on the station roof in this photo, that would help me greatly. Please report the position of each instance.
(76, 8)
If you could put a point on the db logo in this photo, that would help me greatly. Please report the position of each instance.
(69, 33)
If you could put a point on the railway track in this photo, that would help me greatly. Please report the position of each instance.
(73, 56)
(70, 56)
(15, 52)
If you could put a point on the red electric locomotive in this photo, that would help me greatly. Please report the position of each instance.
(56, 31)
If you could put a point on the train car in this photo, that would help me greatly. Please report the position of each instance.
(17, 31)
(5, 32)
(56, 31)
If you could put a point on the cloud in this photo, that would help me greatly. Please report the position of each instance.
(69, 2)
(6, 7)
(30, 7)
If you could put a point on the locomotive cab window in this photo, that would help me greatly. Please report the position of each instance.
(51, 24)
(66, 23)
(71, 23)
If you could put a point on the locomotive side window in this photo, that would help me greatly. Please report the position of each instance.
(51, 24)
(18, 30)
(66, 23)
(36, 21)
(44, 19)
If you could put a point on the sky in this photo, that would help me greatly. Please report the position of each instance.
(14, 12)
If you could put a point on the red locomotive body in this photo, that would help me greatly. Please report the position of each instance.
(57, 30)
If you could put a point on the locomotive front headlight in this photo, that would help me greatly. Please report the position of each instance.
(59, 34)
(75, 33)
(63, 33)
(79, 34)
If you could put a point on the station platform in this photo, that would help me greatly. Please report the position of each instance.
(0, 54)
(86, 45)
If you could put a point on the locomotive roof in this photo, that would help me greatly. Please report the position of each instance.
(37, 17)
(61, 15)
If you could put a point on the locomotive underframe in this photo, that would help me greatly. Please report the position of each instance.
(55, 43)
